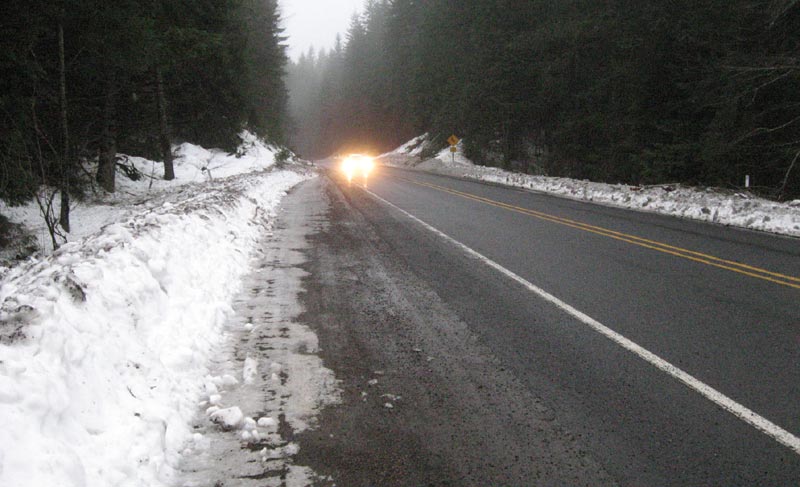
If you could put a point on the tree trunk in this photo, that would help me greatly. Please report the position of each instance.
(163, 128)
(106, 168)
(65, 157)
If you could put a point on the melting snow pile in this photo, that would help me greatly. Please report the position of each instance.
(105, 345)
(711, 205)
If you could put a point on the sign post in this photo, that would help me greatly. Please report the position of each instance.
(453, 141)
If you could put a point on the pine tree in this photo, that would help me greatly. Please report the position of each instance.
(82, 80)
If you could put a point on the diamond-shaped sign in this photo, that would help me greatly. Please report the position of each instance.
(453, 140)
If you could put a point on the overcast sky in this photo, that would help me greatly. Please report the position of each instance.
(316, 22)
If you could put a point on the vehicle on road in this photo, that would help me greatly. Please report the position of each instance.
(354, 165)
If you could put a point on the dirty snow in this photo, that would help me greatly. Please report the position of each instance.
(105, 345)
(228, 418)
(705, 204)
(283, 392)
(250, 370)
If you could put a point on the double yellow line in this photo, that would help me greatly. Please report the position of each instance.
(729, 265)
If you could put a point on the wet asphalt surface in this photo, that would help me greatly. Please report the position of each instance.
(453, 375)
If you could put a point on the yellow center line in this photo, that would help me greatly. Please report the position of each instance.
(740, 268)
(612, 232)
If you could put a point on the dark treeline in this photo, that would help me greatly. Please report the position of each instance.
(85, 79)
(637, 91)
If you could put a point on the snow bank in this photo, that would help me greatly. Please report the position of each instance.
(413, 147)
(711, 205)
(193, 164)
(104, 345)
(196, 163)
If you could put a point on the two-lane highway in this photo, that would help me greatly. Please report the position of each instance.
(668, 350)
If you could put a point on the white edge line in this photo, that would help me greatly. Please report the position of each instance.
(742, 412)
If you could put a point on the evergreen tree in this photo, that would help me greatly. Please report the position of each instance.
(635, 91)
(84, 79)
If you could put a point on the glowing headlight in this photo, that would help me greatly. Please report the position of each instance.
(357, 163)
(348, 165)
(367, 165)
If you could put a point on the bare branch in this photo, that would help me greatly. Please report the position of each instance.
(792, 65)
(786, 177)
(767, 130)
(767, 83)
(779, 9)
(44, 199)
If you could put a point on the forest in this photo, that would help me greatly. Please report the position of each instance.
(85, 80)
(701, 92)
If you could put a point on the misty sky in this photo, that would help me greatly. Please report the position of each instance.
(316, 22)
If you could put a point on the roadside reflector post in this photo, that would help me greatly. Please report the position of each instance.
(747, 181)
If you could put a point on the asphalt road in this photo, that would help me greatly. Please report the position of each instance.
(500, 386)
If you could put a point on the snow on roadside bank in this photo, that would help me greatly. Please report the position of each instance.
(104, 346)
(193, 165)
(710, 205)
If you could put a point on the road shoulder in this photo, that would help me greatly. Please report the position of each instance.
(423, 402)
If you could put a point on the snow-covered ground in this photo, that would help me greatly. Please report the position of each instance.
(705, 204)
(105, 345)
(193, 165)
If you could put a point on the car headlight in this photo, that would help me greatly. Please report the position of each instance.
(367, 164)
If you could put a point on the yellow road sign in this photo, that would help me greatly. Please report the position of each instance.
(453, 148)
(453, 140)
